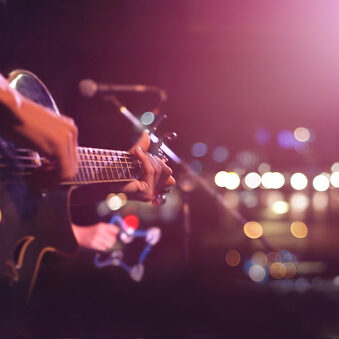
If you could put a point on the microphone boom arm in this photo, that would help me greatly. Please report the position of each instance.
(193, 175)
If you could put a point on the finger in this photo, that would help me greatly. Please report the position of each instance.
(166, 179)
(157, 170)
(143, 142)
(165, 187)
(109, 241)
(108, 230)
(170, 181)
(159, 200)
(147, 167)
(113, 229)
(165, 169)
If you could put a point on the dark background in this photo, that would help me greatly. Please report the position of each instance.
(229, 68)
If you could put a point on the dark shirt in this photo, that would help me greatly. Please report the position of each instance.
(4, 36)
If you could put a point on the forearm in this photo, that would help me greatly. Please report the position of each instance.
(14, 108)
(31, 125)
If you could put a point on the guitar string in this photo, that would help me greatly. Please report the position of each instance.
(79, 148)
(75, 181)
(88, 151)
(83, 157)
(81, 166)
(128, 160)
(84, 161)
(89, 161)
(84, 164)
(87, 167)
(91, 157)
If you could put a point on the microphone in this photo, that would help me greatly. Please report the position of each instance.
(89, 88)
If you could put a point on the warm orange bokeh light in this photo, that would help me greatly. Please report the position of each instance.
(232, 257)
(277, 270)
(291, 270)
(299, 229)
(253, 230)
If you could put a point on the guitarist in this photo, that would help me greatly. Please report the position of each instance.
(30, 125)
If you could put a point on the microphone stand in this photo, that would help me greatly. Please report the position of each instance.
(195, 177)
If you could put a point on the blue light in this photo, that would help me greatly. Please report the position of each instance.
(262, 136)
(287, 256)
(147, 118)
(199, 149)
(220, 154)
(247, 266)
(196, 166)
(286, 139)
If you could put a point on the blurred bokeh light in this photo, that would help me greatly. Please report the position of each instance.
(299, 229)
(299, 181)
(253, 229)
(232, 257)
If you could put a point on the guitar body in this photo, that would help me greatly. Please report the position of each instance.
(32, 221)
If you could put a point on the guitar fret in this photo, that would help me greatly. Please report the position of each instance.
(122, 169)
(109, 163)
(87, 161)
(80, 174)
(116, 160)
(128, 169)
(98, 169)
(80, 163)
(79, 169)
(104, 164)
(93, 170)
(83, 157)
(100, 165)
(114, 166)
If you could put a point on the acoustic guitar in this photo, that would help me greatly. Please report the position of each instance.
(34, 221)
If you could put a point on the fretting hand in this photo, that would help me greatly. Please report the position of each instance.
(157, 176)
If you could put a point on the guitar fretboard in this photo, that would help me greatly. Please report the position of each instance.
(101, 165)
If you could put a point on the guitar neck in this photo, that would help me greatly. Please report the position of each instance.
(101, 165)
